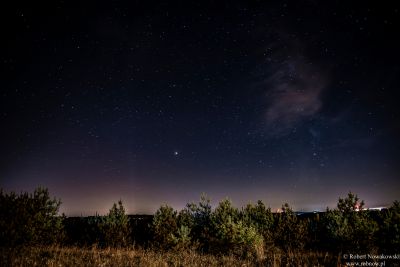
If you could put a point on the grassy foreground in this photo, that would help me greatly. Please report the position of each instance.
(74, 256)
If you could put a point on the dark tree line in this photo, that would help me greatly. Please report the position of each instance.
(33, 219)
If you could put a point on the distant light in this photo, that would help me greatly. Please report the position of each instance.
(378, 208)
(176, 153)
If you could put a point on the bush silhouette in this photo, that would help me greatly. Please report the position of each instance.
(200, 214)
(30, 218)
(165, 227)
(33, 219)
(389, 232)
(290, 232)
(115, 227)
(232, 234)
(349, 226)
(261, 218)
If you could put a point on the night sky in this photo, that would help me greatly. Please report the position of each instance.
(156, 103)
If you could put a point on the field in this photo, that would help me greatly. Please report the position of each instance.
(74, 256)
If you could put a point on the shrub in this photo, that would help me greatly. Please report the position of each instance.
(290, 231)
(389, 233)
(349, 227)
(232, 235)
(184, 236)
(200, 214)
(30, 218)
(115, 227)
(261, 218)
(165, 227)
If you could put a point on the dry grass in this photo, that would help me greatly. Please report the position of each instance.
(73, 256)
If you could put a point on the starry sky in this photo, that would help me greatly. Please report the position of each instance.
(156, 102)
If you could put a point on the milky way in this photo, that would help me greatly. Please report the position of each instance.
(283, 102)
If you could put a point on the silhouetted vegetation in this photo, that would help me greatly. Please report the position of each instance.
(349, 227)
(388, 235)
(115, 228)
(30, 218)
(253, 232)
(290, 232)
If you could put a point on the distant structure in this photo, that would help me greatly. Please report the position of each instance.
(377, 208)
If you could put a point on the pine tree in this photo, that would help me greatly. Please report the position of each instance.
(115, 227)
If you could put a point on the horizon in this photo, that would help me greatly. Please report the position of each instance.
(332, 204)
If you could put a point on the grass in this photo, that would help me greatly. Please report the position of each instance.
(74, 256)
